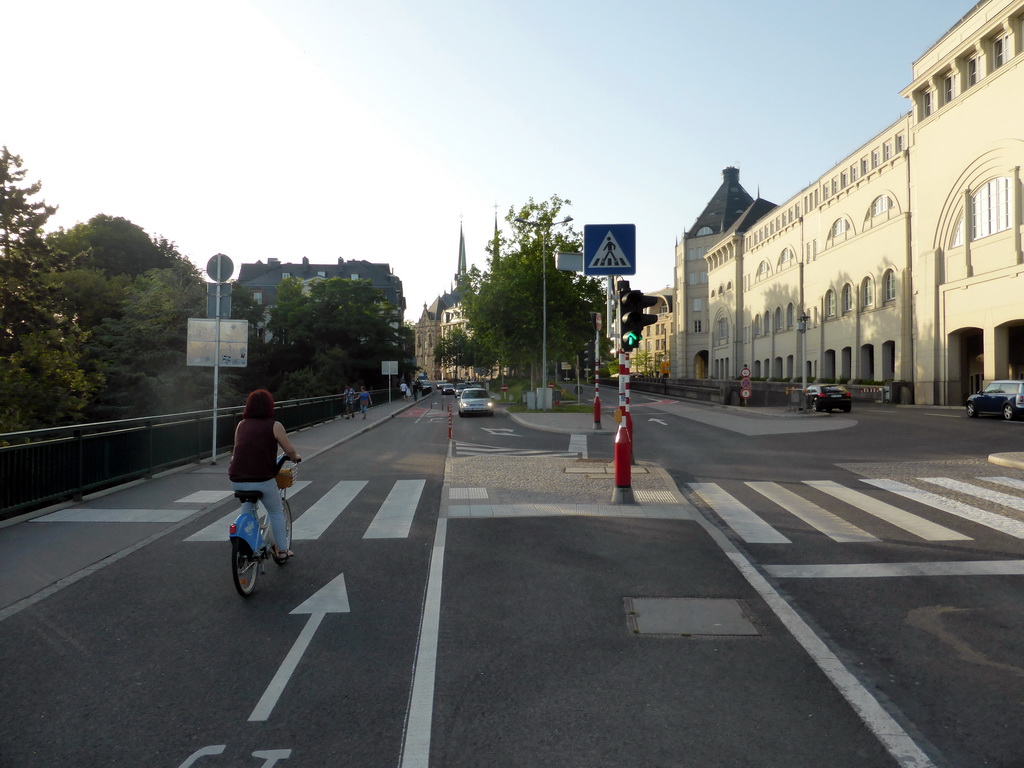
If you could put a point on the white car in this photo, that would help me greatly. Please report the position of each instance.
(475, 400)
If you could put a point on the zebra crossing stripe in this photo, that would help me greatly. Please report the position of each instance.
(966, 511)
(314, 521)
(1011, 482)
(578, 444)
(1013, 502)
(918, 526)
(394, 518)
(218, 530)
(748, 526)
(831, 525)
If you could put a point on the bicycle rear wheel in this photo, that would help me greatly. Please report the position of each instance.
(287, 526)
(245, 568)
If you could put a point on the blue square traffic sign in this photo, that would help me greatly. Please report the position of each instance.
(609, 249)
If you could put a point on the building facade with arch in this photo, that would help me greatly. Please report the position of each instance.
(905, 258)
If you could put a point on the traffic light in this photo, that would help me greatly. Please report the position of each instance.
(633, 319)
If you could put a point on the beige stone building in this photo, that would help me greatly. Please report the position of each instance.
(905, 257)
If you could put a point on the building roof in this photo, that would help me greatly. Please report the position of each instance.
(268, 276)
(725, 207)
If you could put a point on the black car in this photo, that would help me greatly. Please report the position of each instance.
(828, 397)
(1004, 397)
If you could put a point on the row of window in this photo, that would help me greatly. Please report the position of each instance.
(867, 295)
(968, 69)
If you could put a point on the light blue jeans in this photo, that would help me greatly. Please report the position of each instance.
(275, 510)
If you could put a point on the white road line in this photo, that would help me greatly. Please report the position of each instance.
(748, 526)
(218, 530)
(1011, 482)
(903, 749)
(284, 673)
(966, 511)
(888, 570)
(1006, 499)
(832, 526)
(416, 743)
(314, 521)
(88, 515)
(578, 444)
(918, 526)
(394, 518)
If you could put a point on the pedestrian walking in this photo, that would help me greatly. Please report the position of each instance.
(416, 389)
(364, 400)
(349, 396)
(405, 390)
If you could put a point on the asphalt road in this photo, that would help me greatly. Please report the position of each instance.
(403, 636)
(929, 618)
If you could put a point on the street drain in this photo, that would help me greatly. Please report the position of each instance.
(687, 616)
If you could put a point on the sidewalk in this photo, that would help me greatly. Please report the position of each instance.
(50, 548)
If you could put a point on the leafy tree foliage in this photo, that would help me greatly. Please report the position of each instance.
(115, 246)
(329, 333)
(503, 304)
(142, 351)
(41, 382)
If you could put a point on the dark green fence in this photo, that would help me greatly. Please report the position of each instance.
(46, 466)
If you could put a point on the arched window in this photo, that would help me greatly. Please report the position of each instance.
(991, 208)
(847, 298)
(830, 303)
(889, 285)
(958, 234)
(881, 204)
(763, 270)
(728, 286)
(705, 231)
(867, 293)
(757, 325)
(790, 316)
(778, 318)
(786, 258)
(723, 330)
(767, 323)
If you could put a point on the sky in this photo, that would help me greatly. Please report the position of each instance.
(375, 129)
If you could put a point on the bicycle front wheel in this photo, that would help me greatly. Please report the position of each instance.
(287, 526)
(245, 568)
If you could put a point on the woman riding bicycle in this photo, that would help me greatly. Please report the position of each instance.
(254, 462)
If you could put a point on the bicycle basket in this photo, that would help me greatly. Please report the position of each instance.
(285, 478)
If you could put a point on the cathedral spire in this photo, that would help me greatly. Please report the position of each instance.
(460, 276)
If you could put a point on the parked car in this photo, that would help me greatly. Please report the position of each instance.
(1004, 397)
(425, 387)
(446, 387)
(828, 397)
(475, 400)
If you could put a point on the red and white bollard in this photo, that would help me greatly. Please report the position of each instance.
(623, 492)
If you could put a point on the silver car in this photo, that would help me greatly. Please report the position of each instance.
(475, 400)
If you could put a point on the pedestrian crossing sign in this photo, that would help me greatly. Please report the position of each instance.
(609, 249)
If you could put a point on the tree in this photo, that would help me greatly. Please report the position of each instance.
(115, 246)
(338, 331)
(41, 348)
(502, 304)
(142, 352)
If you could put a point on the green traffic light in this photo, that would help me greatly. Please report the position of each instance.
(632, 339)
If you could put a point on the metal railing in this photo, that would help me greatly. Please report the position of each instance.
(45, 466)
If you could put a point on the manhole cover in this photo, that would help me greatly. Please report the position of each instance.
(687, 616)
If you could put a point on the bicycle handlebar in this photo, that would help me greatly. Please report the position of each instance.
(282, 459)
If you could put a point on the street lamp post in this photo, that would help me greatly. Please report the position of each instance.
(802, 327)
(544, 293)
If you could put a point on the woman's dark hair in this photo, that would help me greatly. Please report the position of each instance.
(260, 405)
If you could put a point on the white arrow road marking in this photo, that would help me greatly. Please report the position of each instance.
(659, 421)
(501, 431)
(332, 598)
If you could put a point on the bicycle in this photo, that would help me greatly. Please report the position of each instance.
(251, 536)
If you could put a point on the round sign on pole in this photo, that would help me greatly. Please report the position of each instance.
(745, 393)
(745, 372)
(220, 268)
